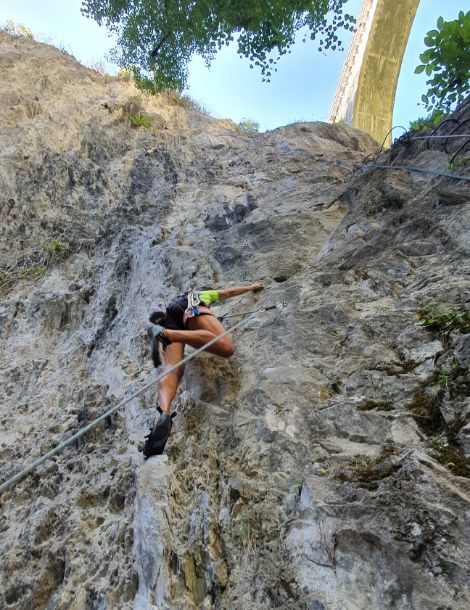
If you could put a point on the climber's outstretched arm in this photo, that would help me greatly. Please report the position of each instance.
(228, 293)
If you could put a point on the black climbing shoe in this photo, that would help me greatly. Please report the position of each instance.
(155, 441)
(158, 343)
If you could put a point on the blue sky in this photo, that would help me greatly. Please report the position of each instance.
(302, 89)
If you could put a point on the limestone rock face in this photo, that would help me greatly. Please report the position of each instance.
(325, 465)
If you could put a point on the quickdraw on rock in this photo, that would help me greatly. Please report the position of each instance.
(245, 313)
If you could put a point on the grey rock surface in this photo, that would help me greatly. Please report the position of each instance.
(462, 351)
(326, 465)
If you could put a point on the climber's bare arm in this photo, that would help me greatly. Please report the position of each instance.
(228, 293)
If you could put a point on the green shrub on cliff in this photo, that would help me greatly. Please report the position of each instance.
(31, 272)
(459, 162)
(441, 319)
(141, 120)
(447, 60)
(247, 126)
(55, 246)
(15, 29)
(431, 120)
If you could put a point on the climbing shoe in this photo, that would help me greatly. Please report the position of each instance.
(158, 343)
(155, 441)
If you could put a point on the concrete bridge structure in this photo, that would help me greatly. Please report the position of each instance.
(366, 90)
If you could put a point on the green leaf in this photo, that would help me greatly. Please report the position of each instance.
(447, 63)
(424, 99)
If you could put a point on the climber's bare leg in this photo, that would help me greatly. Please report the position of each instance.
(168, 385)
(210, 324)
(201, 330)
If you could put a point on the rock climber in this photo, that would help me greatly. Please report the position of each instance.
(188, 320)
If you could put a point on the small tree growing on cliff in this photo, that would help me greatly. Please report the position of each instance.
(156, 38)
(15, 29)
(448, 61)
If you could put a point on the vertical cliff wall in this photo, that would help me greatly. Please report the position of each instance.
(325, 465)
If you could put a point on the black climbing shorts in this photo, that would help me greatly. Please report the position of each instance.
(175, 313)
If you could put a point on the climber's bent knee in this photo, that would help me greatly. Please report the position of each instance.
(223, 347)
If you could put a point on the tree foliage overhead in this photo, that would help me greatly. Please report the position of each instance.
(156, 38)
(448, 61)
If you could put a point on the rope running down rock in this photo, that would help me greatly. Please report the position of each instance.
(421, 170)
(22, 473)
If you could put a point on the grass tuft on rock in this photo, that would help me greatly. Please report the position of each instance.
(141, 120)
(368, 472)
(55, 246)
(425, 410)
(440, 319)
(379, 405)
(31, 273)
(451, 458)
(33, 265)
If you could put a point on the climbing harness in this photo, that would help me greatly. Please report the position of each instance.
(196, 305)
(190, 303)
(193, 302)
(65, 443)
